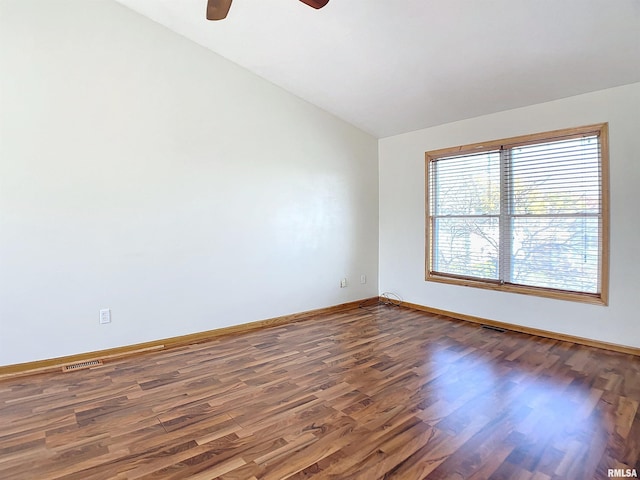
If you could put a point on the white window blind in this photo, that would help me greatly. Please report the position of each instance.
(526, 213)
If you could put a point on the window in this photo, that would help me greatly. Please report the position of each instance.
(526, 214)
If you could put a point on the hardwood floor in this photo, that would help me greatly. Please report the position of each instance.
(376, 392)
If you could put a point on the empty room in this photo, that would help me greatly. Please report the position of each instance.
(344, 239)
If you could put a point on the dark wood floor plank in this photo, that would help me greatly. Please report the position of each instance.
(371, 393)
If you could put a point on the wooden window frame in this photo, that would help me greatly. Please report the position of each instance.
(601, 298)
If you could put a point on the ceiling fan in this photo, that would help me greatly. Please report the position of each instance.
(218, 9)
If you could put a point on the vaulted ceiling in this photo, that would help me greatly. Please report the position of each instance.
(391, 67)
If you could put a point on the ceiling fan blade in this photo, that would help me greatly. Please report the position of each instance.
(315, 3)
(218, 9)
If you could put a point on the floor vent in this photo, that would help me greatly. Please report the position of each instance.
(495, 329)
(81, 365)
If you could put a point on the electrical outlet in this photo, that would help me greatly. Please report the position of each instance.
(343, 283)
(105, 316)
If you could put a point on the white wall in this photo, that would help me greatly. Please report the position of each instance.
(402, 218)
(143, 173)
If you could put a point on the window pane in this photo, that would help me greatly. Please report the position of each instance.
(466, 246)
(552, 252)
(558, 177)
(523, 212)
(468, 185)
